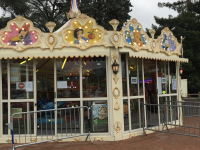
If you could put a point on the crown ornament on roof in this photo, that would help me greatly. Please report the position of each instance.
(74, 10)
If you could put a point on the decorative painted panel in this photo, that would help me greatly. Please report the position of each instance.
(20, 34)
(167, 42)
(83, 33)
(134, 36)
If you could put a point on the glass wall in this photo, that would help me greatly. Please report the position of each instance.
(163, 77)
(98, 115)
(135, 76)
(21, 79)
(159, 88)
(173, 81)
(4, 79)
(68, 83)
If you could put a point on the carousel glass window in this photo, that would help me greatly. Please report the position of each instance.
(4, 79)
(98, 116)
(173, 78)
(5, 117)
(135, 76)
(124, 74)
(21, 78)
(94, 77)
(68, 83)
(163, 77)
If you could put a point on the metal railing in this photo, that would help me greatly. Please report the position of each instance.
(67, 120)
(175, 117)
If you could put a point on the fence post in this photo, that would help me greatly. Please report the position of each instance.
(88, 125)
(143, 121)
(10, 126)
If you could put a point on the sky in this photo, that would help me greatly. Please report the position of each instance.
(145, 10)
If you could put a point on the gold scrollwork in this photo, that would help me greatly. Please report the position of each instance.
(98, 138)
(131, 135)
(116, 78)
(114, 23)
(116, 107)
(117, 126)
(51, 41)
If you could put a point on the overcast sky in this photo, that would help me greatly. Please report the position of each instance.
(145, 10)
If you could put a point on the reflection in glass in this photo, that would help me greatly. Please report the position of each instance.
(68, 119)
(4, 79)
(174, 108)
(173, 82)
(94, 77)
(124, 77)
(165, 114)
(5, 118)
(150, 81)
(135, 76)
(25, 121)
(68, 85)
(164, 77)
(21, 78)
(98, 116)
(137, 113)
(126, 114)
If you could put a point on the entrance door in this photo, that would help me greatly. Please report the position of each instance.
(151, 94)
(45, 95)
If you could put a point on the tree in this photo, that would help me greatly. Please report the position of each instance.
(42, 11)
(187, 25)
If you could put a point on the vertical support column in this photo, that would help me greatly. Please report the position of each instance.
(1, 97)
(81, 95)
(55, 94)
(179, 98)
(35, 94)
(116, 96)
(27, 97)
(8, 68)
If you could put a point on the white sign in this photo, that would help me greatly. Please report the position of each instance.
(133, 80)
(163, 80)
(159, 85)
(14, 79)
(173, 84)
(29, 86)
(61, 84)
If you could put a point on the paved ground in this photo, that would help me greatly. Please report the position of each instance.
(154, 141)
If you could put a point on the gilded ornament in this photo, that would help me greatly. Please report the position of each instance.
(152, 32)
(116, 107)
(114, 23)
(50, 26)
(131, 135)
(116, 78)
(33, 140)
(98, 138)
(51, 41)
(117, 126)
(116, 92)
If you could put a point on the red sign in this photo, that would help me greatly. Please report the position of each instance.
(21, 85)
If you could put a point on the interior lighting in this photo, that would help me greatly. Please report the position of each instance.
(84, 63)
(181, 70)
(37, 70)
(64, 63)
(88, 71)
(23, 62)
